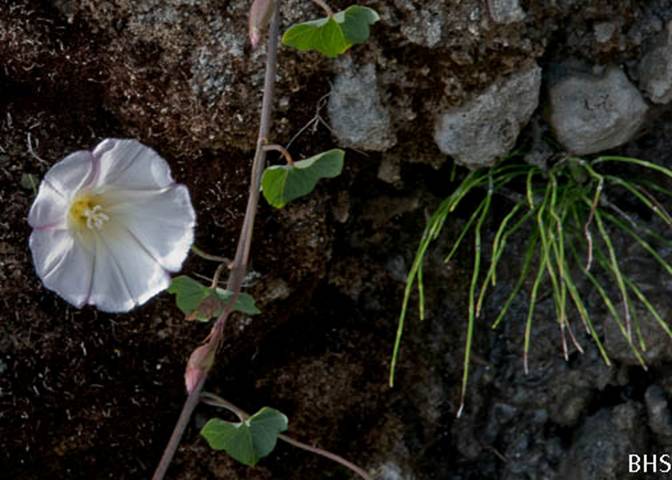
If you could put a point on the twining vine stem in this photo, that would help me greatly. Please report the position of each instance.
(240, 262)
(279, 148)
(323, 5)
(216, 401)
(213, 258)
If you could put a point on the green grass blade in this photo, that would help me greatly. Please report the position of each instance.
(490, 275)
(641, 297)
(656, 187)
(649, 306)
(546, 234)
(616, 269)
(472, 294)
(608, 267)
(634, 161)
(585, 317)
(530, 316)
(610, 307)
(465, 230)
(421, 293)
(529, 255)
(645, 245)
(434, 226)
(651, 204)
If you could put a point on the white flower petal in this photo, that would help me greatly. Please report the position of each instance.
(109, 224)
(63, 263)
(128, 164)
(162, 221)
(50, 209)
(125, 274)
(72, 173)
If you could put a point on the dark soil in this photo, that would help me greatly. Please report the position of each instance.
(85, 395)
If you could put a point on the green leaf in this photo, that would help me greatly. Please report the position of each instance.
(244, 304)
(248, 441)
(325, 36)
(188, 292)
(202, 303)
(333, 35)
(283, 183)
(356, 21)
(29, 182)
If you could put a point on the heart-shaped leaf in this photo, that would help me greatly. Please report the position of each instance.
(244, 304)
(248, 441)
(202, 303)
(283, 183)
(355, 23)
(188, 293)
(333, 35)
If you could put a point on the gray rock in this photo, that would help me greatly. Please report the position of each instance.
(356, 113)
(424, 22)
(591, 113)
(391, 471)
(506, 11)
(660, 419)
(483, 130)
(604, 31)
(601, 447)
(655, 69)
(389, 170)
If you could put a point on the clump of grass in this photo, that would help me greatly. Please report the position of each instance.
(568, 215)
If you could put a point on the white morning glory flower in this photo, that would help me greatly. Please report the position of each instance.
(109, 225)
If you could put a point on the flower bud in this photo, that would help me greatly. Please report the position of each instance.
(260, 16)
(198, 365)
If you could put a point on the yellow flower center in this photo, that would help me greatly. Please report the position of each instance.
(87, 211)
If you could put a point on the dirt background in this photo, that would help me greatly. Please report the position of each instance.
(85, 395)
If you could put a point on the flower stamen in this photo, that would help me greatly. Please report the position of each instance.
(95, 217)
(87, 211)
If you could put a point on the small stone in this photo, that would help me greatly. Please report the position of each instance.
(485, 129)
(602, 443)
(506, 11)
(591, 113)
(389, 170)
(391, 471)
(341, 207)
(604, 31)
(423, 23)
(276, 289)
(655, 69)
(356, 113)
(660, 420)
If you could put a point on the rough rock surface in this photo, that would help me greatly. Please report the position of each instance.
(605, 31)
(660, 418)
(591, 113)
(506, 11)
(655, 70)
(89, 395)
(425, 22)
(356, 111)
(486, 128)
(658, 347)
(603, 443)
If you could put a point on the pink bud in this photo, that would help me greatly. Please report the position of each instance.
(260, 16)
(198, 365)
